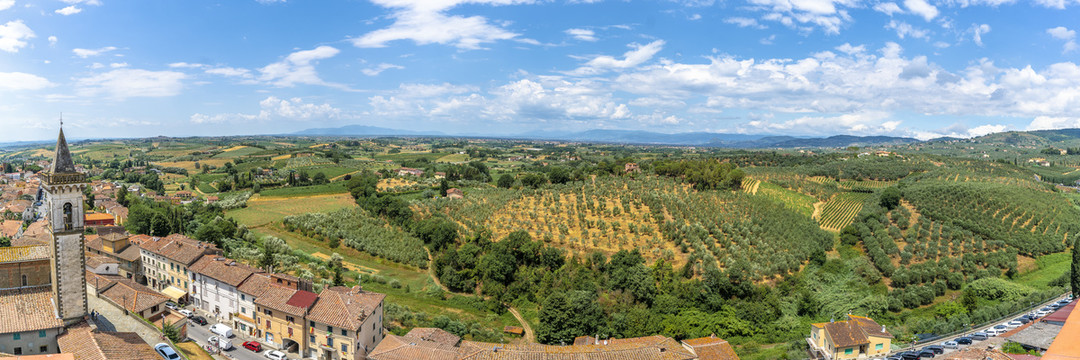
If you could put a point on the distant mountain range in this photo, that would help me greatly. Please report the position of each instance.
(641, 137)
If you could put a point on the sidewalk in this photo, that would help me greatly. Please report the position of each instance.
(111, 318)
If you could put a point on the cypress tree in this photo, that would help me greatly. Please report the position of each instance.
(1076, 269)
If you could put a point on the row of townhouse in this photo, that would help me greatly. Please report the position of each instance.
(278, 309)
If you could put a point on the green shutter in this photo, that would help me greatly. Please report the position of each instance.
(848, 351)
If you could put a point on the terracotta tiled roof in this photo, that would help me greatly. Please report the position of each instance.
(86, 344)
(101, 281)
(344, 307)
(130, 253)
(255, 285)
(845, 334)
(95, 260)
(277, 297)
(395, 347)
(37, 228)
(434, 335)
(648, 347)
(870, 327)
(223, 269)
(132, 296)
(179, 248)
(10, 228)
(139, 239)
(27, 309)
(711, 348)
(32, 240)
(23, 253)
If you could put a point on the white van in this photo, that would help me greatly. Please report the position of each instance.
(220, 342)
(221, 329)
(994, 332)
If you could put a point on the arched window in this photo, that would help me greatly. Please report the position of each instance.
(25, 282)
(67, 217)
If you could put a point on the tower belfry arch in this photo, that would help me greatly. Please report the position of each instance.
(64, 186)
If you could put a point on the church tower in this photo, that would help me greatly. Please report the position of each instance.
(65, 187)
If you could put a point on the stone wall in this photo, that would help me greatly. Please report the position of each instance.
(37, 273)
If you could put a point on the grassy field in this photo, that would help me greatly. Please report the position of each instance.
(300, 191)
(802, 203)
(453, 158)
(263, 209)
(193, 351)
(407, 156)
(237, 151)
(190, 165)
(1050, 267)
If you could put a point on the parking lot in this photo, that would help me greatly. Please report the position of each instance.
(992, 341)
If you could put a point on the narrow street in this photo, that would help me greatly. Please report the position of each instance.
(201, 333)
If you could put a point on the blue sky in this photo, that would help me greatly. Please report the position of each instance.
(921, 68)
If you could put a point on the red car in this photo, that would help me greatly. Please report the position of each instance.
(253, 346)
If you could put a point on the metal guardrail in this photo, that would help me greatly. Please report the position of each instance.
(973, 329)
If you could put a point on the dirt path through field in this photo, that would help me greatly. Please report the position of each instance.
(258, 198)
(336, 178)
(348, 265)
(529, 335)
(817, 210)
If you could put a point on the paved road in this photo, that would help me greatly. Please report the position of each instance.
(111, 318)
(201, 333)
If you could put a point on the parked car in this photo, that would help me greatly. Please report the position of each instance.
(909, 355)
(937, 349)
(222, 329)
(275, 355)
(980, 336)
(253, 346)
(994, 331)
(198, 320)
(172, 305)
(895, 357)
(927, 354)
(1014, 324)
(950, 344)
(166, 351)
(963, 340)
(186, 312)
(1022, 319)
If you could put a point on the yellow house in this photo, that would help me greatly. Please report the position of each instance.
(855, 338)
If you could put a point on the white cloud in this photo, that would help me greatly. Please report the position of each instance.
(22, 81)
(904, 29)
(126, 83)
(632, 58)
(1062, 33)
(53, 40)
(378, 69)
(851, 50)
(299, 68)
(119, 65)
(273, 108)
(427, 22)
(582, 34)
(888, 8)
(85, 53)
(979, 30)
(87, 2)
(69, 10)
(744, 22)
(867, 122)
(6, 4)
(185, 65)
(230, 72)
(13, 36)
(1057, 4)
(1054, 122)
(921, 8)
(804, 15)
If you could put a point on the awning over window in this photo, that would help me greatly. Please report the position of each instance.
(174, 293)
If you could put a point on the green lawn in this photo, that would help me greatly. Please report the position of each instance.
(298, 191)
(265, 209)
(1050, 267)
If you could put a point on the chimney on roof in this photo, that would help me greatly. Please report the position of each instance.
(882, 328)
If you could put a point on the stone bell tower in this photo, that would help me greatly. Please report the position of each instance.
(65, 187)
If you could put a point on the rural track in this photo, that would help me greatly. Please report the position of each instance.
(530, 336)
